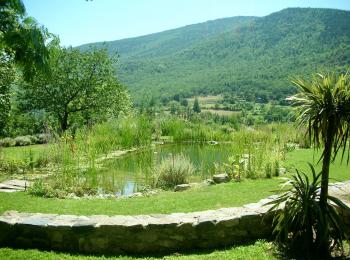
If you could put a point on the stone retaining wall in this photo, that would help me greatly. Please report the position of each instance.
(136, 234)
(142, 234)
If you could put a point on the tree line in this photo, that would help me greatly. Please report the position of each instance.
(43, 84)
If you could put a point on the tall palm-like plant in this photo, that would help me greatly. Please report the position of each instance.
(323, 105)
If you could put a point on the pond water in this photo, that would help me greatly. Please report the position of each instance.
(132, 172)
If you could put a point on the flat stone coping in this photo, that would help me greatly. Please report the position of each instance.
(194, 218)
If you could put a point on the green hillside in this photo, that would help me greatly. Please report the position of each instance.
(251, 57)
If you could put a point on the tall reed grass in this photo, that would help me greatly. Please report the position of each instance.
(256, 153)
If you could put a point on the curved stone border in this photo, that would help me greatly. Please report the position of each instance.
(139, 234)
(135, 234)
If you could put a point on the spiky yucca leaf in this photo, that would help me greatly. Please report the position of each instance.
(300, 223)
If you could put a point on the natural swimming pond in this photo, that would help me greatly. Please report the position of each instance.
(132, 172)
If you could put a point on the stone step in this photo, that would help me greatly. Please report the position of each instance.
(17, 183)
(8, 190)
(14, 185)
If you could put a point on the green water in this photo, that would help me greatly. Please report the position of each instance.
(132, 172)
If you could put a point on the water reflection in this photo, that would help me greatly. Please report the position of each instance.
(131, 172)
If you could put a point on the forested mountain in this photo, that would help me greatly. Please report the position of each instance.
(252, 57)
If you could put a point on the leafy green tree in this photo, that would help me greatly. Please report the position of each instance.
(174, 107)
(323, 106)
(177, 97)
(196, 107)
(7, 76)
(21, 38)
(81, 88)
(184, 102)
(22, 42)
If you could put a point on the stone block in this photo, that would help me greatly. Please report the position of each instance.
(221, 178)
(182, 187)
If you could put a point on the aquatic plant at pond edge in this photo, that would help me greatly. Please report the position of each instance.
(172, 171)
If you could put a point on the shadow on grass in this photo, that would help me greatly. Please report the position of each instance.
(200, 253)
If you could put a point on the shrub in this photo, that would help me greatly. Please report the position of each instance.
(23, 140)
(57, 189)
(298, 227)
(268, 170)
(33, 139)
(38, 189)
(7, 142)
(172, 171)
(42, 138)
(12, 166)
(42, 160)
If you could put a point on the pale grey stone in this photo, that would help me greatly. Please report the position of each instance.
(136, 194)
(282, 170)
(209, 182)
(8, 190)
(252, 205)
(182, 187)
(221, 178)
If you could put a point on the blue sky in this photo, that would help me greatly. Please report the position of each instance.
(78, 21)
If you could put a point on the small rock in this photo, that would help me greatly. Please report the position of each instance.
(136, 194)
(101, 196)
(209, 182)
(221, 178)
(282, 170)
(152, 192)
(182, 187)
(72, 196)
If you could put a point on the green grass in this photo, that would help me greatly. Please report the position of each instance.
(212, 197)
(20, 153)
(205, 100)
(339, 171)
(221, 112)
(259, 250)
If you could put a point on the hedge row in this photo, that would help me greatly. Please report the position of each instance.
(24, 140)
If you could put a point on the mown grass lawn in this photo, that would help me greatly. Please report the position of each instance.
(259, 250)
(339, 170)
(210, 197)
(22, 153)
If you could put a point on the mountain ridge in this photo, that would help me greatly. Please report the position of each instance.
(250, 56)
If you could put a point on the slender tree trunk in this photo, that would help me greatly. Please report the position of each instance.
(64, 122)
(324, 243)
